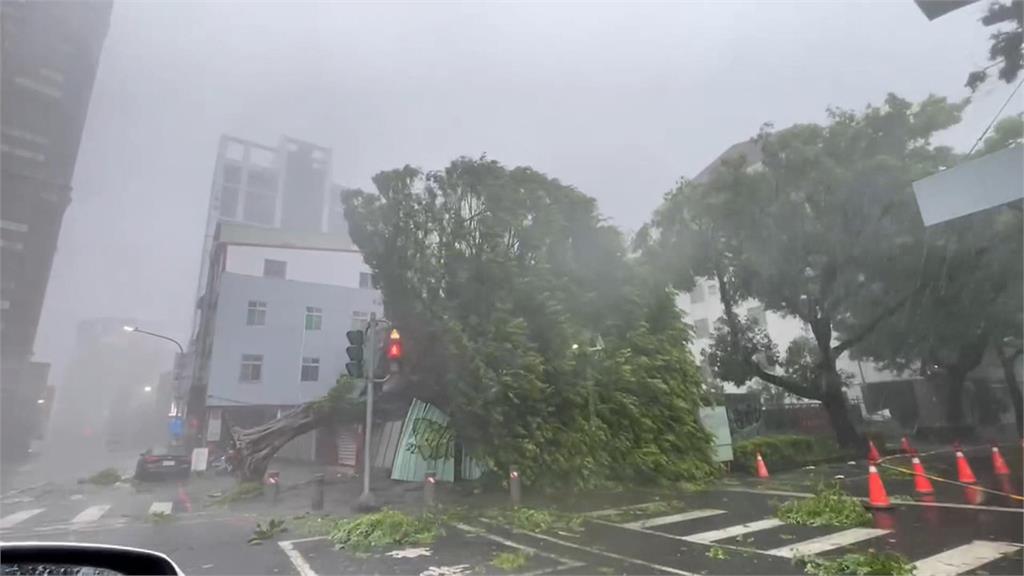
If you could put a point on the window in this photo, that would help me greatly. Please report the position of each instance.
(702, 328)
(252, 368)
(310, 369)
(360, 320)
(365, 280)
(697, 294)
(756, 313)
(713, 290)
(256, 314)
(314, 318)
(275, 268)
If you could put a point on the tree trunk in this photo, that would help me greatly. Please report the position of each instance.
(968, 357)
(257, 446)
(1010, 376)
(834, 403)
(955, 397)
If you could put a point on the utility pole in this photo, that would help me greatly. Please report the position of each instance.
(366, 500)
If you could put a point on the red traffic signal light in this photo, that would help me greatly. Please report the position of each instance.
(394, 345)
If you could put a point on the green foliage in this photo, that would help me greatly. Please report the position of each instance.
(511, 560)
(314, 524)
(493, 274)
(870, 563)
(535, 520)
(1008, 131)
(242, 491)
(273, 527)
(386, 528)
(825, 230)
(783, 452)
(341, 400)
(717, 553)
(648, 509)
(830, 506)
(1005, 49)
(105, 477)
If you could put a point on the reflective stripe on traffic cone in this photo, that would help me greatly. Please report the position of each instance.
(762, 470)
(922, 485)
(963, 470)
(873, 455)
(999, 467)
(905, 446)
(877, 498)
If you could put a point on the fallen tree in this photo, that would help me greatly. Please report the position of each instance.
(257, 446)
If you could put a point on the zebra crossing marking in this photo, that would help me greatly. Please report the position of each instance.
(673, 518)
(733, 531)
(826, 543)
(963, 558)
(13, 519)
(90, 514)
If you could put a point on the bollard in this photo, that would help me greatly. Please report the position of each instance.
(514, 485)
(318, 492)
(429, 489)
(274, 479)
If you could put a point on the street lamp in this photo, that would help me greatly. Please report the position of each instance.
(155, 335)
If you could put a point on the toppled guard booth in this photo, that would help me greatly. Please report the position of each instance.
(426, 443)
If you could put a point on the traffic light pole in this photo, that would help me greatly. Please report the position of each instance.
(366, 500)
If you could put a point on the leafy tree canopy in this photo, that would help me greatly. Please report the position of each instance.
(501, 280)
(823, 224)
(1006, 52)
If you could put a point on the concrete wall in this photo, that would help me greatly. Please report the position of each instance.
(316, 266)
(283, 340)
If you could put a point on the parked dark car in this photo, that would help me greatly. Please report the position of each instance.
(172, 462)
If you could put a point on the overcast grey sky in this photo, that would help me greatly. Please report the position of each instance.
(617, 99)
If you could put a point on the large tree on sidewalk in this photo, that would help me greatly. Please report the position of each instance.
(971, 297)
(501, 280)
(823, 222)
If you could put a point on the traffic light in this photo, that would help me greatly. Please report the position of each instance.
(394, 345)
(354, 366)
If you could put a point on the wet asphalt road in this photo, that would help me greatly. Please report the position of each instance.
(210, 540)
(213, 541)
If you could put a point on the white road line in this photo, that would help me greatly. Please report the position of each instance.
(12, 519)
(614, 511)
(895, 502)
(661, 567)
(733, 531)
(90, 514)
(563, 563)
(826, 543)
(297, 560)
(963, 558)
(673, 518)
(161, 507)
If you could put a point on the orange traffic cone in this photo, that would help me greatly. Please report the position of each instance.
(922, 485)
(877, 498)
(905, 446)
(999, 467)
(873, 455)
(963, 470)
(762, 470)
